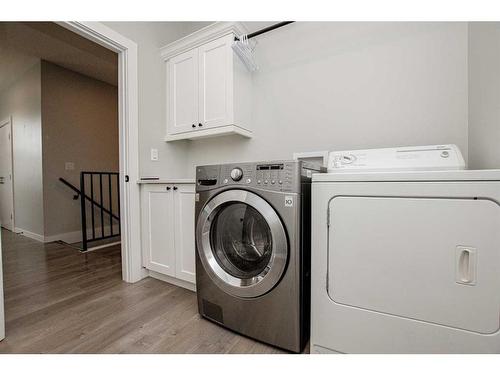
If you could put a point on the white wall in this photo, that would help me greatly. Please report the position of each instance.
(484, 95)
(326, 86)
(22, 101)
(150, 36)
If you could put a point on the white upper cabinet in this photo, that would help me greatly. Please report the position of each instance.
(183, 92)
(208, 87)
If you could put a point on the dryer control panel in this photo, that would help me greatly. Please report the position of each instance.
(439, 157)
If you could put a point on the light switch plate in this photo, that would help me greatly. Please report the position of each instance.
(154, 154)
(69, 166)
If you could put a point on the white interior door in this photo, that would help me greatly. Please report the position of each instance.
(184, 232)
(216, 82)
(6, 180)
(183, 92)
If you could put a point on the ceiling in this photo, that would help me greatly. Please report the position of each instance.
(23, 43)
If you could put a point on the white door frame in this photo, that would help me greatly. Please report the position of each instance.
(8, 122)
(126, 49)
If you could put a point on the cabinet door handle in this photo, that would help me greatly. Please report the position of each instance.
(175, 187)
(200, 124)
(168, 188)
(193, 126)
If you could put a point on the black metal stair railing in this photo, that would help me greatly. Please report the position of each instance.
(99, 195)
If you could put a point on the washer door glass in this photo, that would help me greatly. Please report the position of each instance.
(241, 243)
(241, 240)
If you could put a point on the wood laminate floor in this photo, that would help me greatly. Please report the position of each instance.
(58, 300)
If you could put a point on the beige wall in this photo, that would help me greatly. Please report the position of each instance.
(80, 125)
(22, 101)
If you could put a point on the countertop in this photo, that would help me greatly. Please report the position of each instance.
(167, 181)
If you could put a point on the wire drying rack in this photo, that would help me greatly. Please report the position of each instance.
(244, 47)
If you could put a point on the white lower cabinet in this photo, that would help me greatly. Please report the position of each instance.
(168, 245)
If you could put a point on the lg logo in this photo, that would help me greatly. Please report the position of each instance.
(288, 201)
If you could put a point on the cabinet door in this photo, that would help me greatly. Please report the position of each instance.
(182, 92)
(184, 232)
(158, 229)
(216, 82)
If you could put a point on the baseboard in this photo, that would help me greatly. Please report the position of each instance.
(173, 280)
(8, 227)
(76, 236)
(69, 237)
(27, 233)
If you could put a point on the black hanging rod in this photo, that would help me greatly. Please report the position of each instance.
(266, 29)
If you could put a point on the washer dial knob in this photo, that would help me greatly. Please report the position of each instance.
(236, 174)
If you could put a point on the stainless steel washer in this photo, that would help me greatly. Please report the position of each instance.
(253, 255)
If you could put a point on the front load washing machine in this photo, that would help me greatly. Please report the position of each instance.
(253, 249)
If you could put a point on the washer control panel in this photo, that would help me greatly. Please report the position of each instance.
(275, 176)
(283, 176)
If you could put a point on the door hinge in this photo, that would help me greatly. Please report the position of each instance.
(127, 178)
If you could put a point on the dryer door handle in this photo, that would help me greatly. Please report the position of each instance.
(465, 267)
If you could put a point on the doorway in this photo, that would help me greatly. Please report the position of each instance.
(126, 52)
(132, 270)
(127, 122)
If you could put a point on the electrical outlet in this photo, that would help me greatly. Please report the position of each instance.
(154, 154)
(69, 166)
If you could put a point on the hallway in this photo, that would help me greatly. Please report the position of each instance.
(58, 300)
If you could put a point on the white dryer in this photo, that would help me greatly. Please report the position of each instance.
(405, 261)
